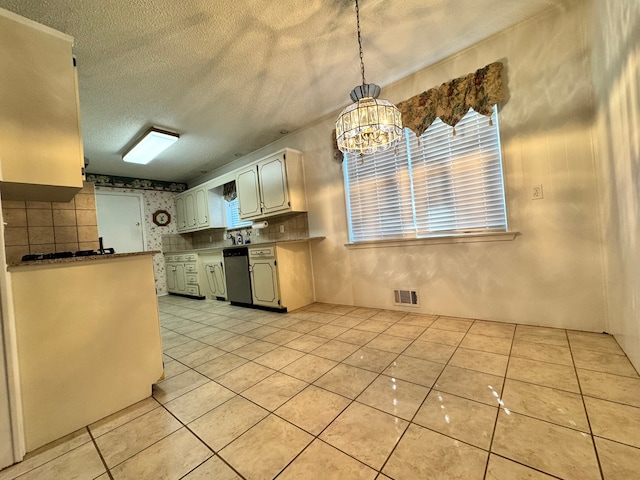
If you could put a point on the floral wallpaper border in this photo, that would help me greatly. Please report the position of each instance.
(136, 183)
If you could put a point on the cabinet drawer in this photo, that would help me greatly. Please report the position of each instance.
(192, 279)
(178, 258)
(190, 257)
(190, 267)
(193, 290)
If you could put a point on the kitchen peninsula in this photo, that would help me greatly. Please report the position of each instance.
(88, 339)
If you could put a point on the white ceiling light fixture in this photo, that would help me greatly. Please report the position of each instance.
(152, 144)
(369, 124)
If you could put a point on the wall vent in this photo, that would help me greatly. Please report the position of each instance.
(406, 297)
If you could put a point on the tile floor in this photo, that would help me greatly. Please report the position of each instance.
(336, 392)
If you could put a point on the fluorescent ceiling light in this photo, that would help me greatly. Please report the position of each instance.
(154, 142)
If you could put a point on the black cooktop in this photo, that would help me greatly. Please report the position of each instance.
(33, 257)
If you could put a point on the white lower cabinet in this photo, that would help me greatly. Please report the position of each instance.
(212, 278)
(281, 275)
(182, 274)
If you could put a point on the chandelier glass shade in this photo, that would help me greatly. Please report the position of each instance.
(369, 124)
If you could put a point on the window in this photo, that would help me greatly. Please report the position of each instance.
(440, 184)
(233, 216)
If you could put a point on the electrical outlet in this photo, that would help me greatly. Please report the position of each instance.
(536, 192)
(281, 228)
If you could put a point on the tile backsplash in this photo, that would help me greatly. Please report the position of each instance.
(48, 227)
(286, 227)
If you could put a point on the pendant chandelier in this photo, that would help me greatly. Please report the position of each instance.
(369, 124)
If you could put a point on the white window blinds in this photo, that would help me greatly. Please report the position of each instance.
(441, 184)
(233, 216)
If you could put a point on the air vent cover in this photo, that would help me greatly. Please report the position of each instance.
(407, 297)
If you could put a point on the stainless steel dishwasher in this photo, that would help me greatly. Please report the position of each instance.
(238, 279)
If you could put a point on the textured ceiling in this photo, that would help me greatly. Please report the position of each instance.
(232, 75)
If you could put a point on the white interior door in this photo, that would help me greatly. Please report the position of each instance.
(120, 221)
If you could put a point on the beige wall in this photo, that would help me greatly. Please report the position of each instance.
(616, 71)
(552, 273)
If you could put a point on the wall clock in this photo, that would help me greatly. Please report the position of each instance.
(161, 218)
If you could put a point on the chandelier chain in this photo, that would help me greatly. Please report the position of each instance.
(360, 42)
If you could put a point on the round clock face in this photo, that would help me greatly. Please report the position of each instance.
(161, 218)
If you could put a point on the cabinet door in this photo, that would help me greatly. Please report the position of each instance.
(190, 210)
(171, 278)
(248, 194)
(273, 184)
(264, 283)
(40, 142)
(218, 274)
(201, 207)
(181, 279)
(181, 213)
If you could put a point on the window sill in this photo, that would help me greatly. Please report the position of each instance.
(445, 239)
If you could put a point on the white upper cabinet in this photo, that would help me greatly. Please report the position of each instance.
(272, 186)
(41, 155)
(200, 208)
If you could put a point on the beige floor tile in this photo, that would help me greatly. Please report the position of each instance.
(346, 380)
(389, 316)
(313, 409)
(603, 362)
(619, 462)
(309, 368)
(416, 370)
(366, 434)
(347, 321)
(335, 350)
(262, 331)
(203, 332)
(542, 373)
(553, 449)
(542, 352)
(46, 453)
(218, 337)
(329, 331)
(342, 309)
(244, 376)
(172, 339)
(199, 401)
(173, 368)
(485, 343)
(434, 352)
(235, 342)
(274, 390)
(123, 416)
(544, 335)
(371, 325)
(320, 460)
(244, 328)
(370, 359)
(502, 469)
(396, 397)
(307, 343)
(457, 417)
(266, 448)
(363, 312)
(82, 462)
(178, 385)
(279, 357)
(227, 422)
(485, 362)
(213, 469)
(446, 337)
(600, 342)
(357, 337)
(325, 318)
(544, 403)
(185, 349)
(615, 388)
(282, 337)
(201, 356)
(131, 438)
(255, 349)
(454, 324)
(614, 421)
(389, 343)
(477, 386)
(493, 329)
(221, 365)
(405, 331)
(418, 319)
(170, 458)
(304, 326)
(426, 454)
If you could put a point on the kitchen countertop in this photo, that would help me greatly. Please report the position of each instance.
(76, 260)
(249, 245)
